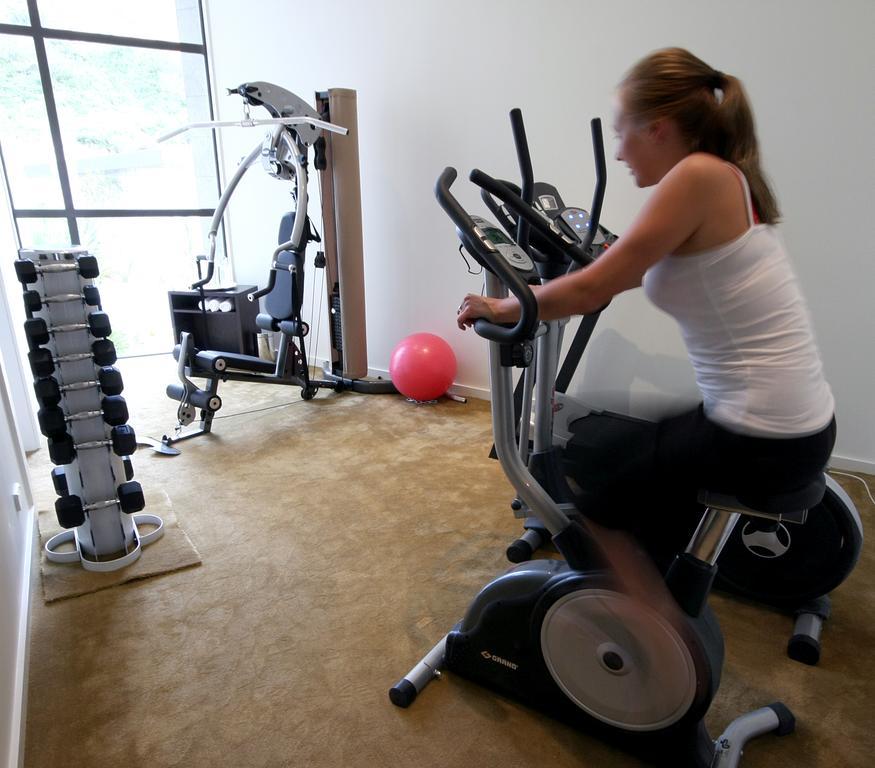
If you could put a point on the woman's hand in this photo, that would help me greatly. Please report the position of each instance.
(473, 307)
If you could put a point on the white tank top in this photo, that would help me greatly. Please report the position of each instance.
(748, 333)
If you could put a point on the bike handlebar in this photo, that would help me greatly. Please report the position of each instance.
(528, 320)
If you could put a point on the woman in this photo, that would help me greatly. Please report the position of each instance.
(706, 251)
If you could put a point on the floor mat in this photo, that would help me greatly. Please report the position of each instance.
(172, 552)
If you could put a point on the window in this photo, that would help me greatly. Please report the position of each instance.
(88, 88)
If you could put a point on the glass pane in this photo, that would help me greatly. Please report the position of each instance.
(174, 20)
(113, 104)
(141, 259)
(14, 12)
(44, 233)
(24, 128)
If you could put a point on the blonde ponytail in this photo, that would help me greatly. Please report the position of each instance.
(710, 108)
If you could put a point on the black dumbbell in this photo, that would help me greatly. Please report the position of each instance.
(41, 362)
(115, 410)
(98, 324)
(70, 511)
(36, 331)
(103, 351)
(129, 467)
(25, 271)
(130, 497)
(32, 302)
(88, 267)
(110, 380)
(59, 480)
(124, 440)
(48, 392)
(52, 422)
(91, 295)
(61, 449)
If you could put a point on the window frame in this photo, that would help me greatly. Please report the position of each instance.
(69, 212)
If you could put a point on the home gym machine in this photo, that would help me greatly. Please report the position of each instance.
(82, 413)
(564, 636)
(791, 564)
(297, 128)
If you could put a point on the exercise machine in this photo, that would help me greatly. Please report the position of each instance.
(297, 129)
(565, 636)
(791, 564)
(82, 413)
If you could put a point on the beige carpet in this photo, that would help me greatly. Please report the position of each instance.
(340, 539)
(172, 552)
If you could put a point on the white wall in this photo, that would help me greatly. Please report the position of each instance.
(17, 429)
(12, 340)
(16, 541)
(435, 81)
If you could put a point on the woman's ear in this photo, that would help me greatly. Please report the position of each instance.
(665, 130)
(658, 130)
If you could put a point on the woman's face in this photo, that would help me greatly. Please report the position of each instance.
(636, 146)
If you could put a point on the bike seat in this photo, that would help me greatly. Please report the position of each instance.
(790, 506)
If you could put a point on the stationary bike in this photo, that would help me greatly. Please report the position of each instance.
(565, 636)
(297, 129)
(789, 564)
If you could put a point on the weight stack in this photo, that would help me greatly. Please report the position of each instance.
(82, 413)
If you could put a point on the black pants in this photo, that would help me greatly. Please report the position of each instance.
(645, 477)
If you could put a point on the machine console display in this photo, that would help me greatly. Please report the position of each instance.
(548, 203)
(496, 236)
(509, 250)
(577, 221)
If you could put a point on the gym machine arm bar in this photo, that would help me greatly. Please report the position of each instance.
(220, 211)
(249, 123)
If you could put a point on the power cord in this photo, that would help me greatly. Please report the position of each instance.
(468, 265)
(855, 477)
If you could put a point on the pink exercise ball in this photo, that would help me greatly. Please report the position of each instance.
(422, 366)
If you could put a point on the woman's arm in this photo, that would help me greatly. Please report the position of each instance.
(672, 214)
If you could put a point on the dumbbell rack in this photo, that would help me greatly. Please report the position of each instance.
(82, 413)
